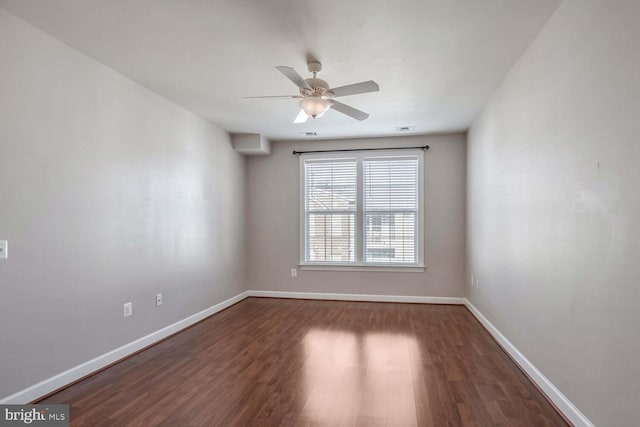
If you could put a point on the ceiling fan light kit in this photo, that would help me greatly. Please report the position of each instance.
(317, 96)
(314, 106)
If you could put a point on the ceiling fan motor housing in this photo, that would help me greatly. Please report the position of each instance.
(319, 87)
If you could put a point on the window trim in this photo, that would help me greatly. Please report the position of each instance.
(359, 264)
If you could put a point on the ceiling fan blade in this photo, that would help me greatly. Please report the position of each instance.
(272, 96)
(349, 111)
(356, 88)
(301, 117)
(292, 75)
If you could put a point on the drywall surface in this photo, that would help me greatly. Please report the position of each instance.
(554, 208)
(108, 194)
(273, 223)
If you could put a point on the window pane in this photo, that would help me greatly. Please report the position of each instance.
(330, 185)
(390, 237)
(330, 211)
(390, 210)
(391, 184)
(331, 237)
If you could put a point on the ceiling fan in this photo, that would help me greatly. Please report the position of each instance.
(316, 96)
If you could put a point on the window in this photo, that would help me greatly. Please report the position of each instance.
(362, 210)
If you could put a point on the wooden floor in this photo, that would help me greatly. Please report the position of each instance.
(274, 362)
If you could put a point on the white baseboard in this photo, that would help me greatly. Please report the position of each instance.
(62, 379)
(357, 297)
(564, 405)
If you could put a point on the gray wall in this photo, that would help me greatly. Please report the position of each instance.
(108, 193)
(554, 207)
(273, 223)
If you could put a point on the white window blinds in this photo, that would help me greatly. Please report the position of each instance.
(390, 210)
(330, 211)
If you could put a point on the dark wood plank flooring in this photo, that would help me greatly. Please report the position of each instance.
(274, 362)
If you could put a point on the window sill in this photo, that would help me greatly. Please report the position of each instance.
(379, 268)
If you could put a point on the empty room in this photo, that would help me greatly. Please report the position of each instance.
(319, 213)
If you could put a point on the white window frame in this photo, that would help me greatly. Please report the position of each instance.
(359, 264)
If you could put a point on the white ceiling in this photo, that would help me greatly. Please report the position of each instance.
(437, 61)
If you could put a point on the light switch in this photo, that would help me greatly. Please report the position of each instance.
(4, 249)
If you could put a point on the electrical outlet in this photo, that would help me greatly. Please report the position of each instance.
(158, 300)
(472, 281)
(4, 249)
(128, 309)
(294, 272)
(477, 283)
